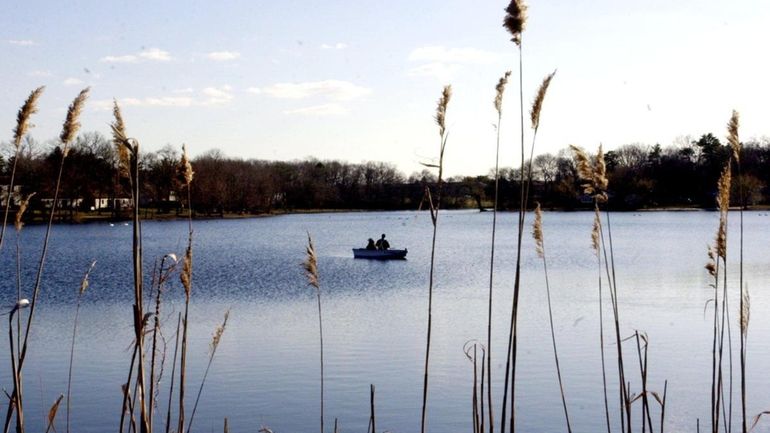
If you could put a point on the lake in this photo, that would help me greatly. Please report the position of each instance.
(266, 369)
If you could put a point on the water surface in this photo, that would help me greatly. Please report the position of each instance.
(375, 313)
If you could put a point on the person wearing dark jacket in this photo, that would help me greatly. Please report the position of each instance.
(382, 244)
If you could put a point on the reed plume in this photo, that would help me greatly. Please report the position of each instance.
(213, 345)
(122, 144)
(500, 90)
(441, 110)
(22, 127)
(310, 266)
(22, 117)
(595, 231)
(19, 219)
(732, 136)
(186, 169)
(537, 105)
(442, 104)
(723, 202)
(52, 414)
(515, 20)
(72, 122)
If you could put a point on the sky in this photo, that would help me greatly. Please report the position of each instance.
(358, 80)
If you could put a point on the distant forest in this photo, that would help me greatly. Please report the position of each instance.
(641, 176)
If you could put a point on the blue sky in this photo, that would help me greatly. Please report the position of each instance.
(359, 80)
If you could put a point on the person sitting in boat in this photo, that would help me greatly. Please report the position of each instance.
(382, 244)
(370, 245)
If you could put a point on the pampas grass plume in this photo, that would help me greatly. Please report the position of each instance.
(185, 168)
(72, 123)
(745, 311)
(441, 107)
(723, 200)
(121, 141)
(537, 232)
(217, 336)
(25, 112)
(186, 275)
(20, 213)
(595, 231)
(732, 135)
(311, 264)
(537, 105)
(515, 20)
(500, 89)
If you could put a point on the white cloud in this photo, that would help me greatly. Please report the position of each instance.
(167, 101)
(129, 58)
(150, 54)
(254, 90)
(438, 70)
(217, 95)
(223, 56)
(72, 82)
(337, 46)
(22, 42)
(41, 74)
(440, 54)
(185, 90)
(320, 110)
(206, 97)
(334, 90)
(155, 54)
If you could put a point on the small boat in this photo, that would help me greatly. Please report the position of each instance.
(363, 253)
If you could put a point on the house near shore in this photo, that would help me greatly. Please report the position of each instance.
(62, 203)
(111, 203)
(16, 195)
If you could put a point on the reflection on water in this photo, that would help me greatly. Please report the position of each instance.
(266, 370)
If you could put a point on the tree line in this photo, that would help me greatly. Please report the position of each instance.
(640, 176)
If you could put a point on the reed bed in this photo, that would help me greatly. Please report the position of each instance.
(140, 392)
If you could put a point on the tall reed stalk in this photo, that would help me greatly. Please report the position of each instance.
(128, 148)
(81, 291)
(515, 21)
(593, 174)
(173, 374)
(164, 272)
(744, 306)
(441, 108)
(186, 275)
(69, 131)
(499, 92)
(311, 272)
(215, 339)
(596, 246)
(537, 233)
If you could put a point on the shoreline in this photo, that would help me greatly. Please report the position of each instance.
(88, 218)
